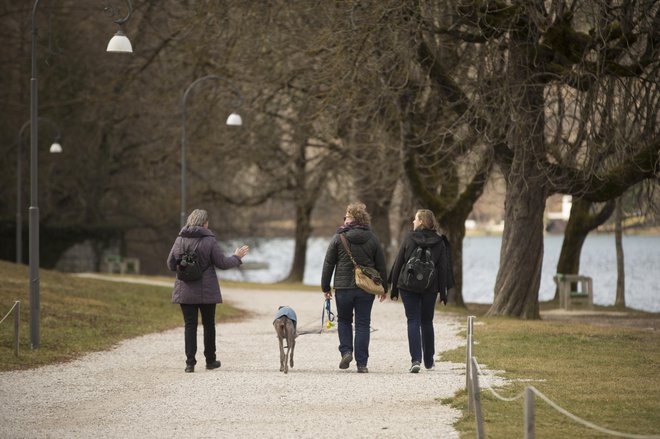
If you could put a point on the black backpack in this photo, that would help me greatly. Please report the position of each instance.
(188, 267)
(419, 272)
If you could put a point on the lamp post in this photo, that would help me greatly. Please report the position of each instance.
(234, 119)
(34, 190)
(55, 148)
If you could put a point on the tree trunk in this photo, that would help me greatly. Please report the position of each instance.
(454, 227)
(380, 221)
(620, 269)
(303, 231)
(521, 256)
(580, 223)
(306, 191)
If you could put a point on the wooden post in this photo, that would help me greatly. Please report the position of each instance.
(468, 362)
(477, 400)
(590, 293)
(17, 317)
(468, 354)
(528, 413)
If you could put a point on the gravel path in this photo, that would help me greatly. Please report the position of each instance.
(139, 389)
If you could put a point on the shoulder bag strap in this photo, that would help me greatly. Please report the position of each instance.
(199, 241)
(344, 241)
(184, 247)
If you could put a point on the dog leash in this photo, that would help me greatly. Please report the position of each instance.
(331, 317)
(327, 309)
(325, 324)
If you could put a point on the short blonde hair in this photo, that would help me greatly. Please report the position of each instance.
(358, 211)
(427, 219)
(197, 217)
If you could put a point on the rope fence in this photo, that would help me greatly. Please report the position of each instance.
(473, 371)
(17, 316)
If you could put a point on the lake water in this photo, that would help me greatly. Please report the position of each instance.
(481, 261)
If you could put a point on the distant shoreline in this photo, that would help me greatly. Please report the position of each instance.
(652, 231)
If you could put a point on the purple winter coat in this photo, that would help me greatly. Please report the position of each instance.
(207, 289)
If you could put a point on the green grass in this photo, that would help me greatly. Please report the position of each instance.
(606, 375)
(82, 315)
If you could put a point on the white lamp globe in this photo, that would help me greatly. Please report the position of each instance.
(234, 119)
(55, 148)
(120, 43)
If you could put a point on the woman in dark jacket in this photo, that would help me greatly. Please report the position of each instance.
(420, 305)
(350, 299)
(202, 295)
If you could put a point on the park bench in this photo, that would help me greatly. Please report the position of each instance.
(574, 289)
(119, 264)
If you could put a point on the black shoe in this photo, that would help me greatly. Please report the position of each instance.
(213, 365)
(363, 369)
(346, 360)
(190, 369)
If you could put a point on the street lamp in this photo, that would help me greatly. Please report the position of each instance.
(120, 42)
(234, 119)
(55, 148)
(34, 189)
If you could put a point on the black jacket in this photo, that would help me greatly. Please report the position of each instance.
(440, 253)
(367, 252)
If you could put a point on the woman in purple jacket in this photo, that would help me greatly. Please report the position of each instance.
(200, 296)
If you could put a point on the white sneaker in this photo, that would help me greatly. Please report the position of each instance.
(415, 367)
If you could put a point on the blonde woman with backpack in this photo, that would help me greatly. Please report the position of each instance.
(421, 271)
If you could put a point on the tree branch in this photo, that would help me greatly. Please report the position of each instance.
(641, 166)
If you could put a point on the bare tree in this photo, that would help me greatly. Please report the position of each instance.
(547, 51)
(384, 81)
(561, 96)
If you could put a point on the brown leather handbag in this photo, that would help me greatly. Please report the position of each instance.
(366, 278)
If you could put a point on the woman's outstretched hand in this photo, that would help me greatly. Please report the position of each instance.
(242, 251)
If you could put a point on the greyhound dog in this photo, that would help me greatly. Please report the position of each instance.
(285, 327)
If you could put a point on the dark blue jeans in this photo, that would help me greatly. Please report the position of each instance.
(190, 314)
(349, 300)
(419, 312)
